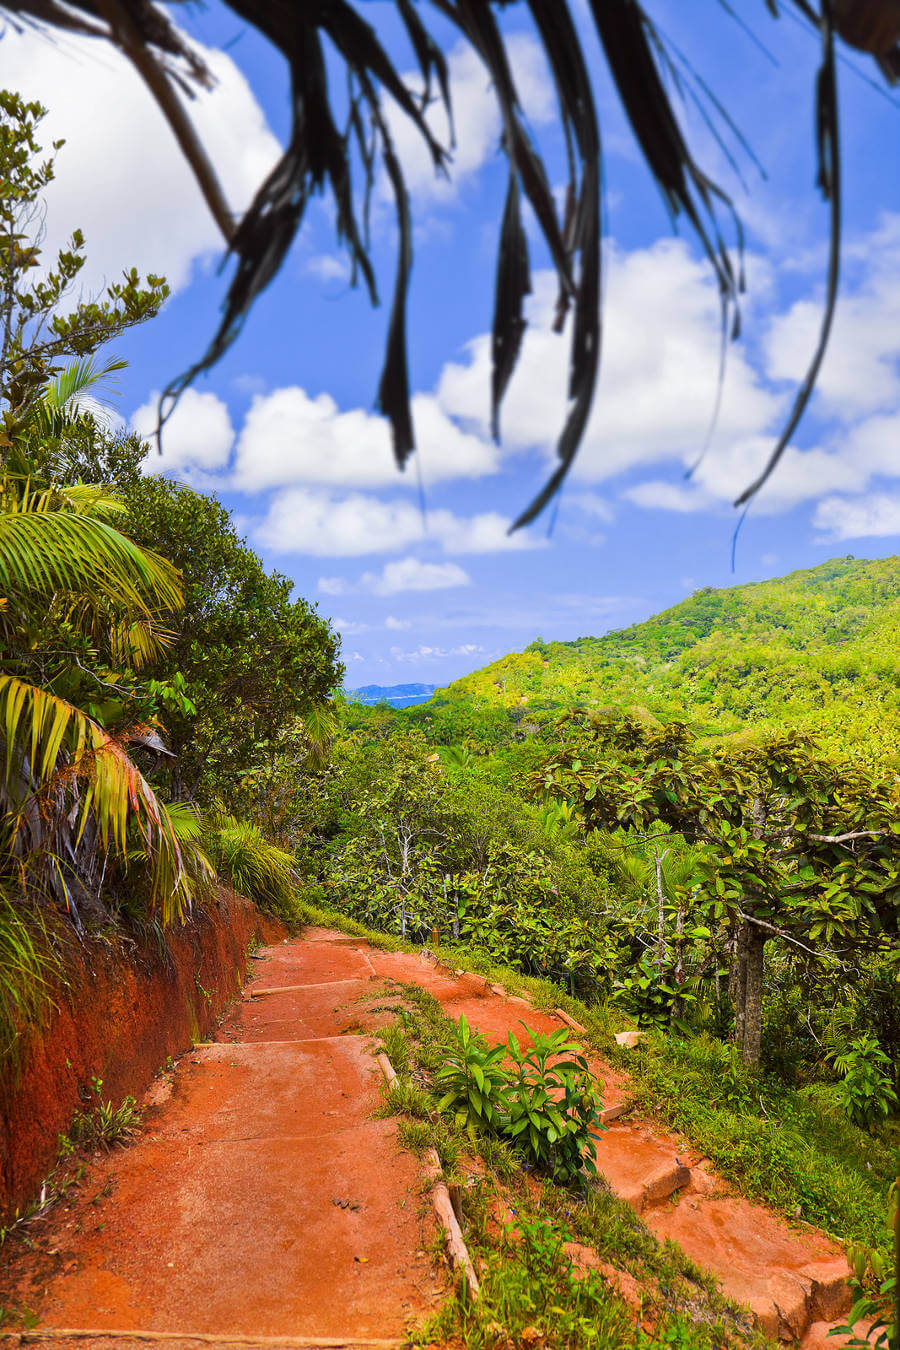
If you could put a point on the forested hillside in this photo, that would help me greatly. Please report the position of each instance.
(815, 649)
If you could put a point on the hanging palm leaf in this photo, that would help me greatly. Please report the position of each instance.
(323, 148)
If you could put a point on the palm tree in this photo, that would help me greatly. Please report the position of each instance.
(72, 797)
(322, 152)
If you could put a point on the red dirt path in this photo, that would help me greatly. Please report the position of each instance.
(222, 1217)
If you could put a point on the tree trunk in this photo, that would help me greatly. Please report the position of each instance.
(747, 990)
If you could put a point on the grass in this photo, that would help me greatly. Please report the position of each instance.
(254, 867)
(791, 1147)
(28, 970)
(102, 1127)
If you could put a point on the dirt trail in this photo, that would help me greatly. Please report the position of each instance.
(261, 1199)
(227, 1215)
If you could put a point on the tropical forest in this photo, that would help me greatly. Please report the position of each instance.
(557, 1008)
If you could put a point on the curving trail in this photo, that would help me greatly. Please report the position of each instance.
(264, 1205)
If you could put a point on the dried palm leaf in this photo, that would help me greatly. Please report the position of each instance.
(322, 154)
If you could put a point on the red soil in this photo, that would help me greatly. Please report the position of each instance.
(262, 1198)
(124, 1012)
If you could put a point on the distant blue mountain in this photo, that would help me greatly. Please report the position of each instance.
(397, 695)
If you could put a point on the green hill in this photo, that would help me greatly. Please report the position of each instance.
(817, 649)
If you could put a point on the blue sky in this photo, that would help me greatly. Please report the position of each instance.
(283, 430)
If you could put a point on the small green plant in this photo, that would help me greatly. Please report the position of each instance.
(875, 1286)
(865, 1090)
(554, 1105)
(101, 1127)
(476, 1082)
(548, 1106)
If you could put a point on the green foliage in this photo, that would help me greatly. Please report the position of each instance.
(874, 1281)
(786, 842)
(413, 847)
(102, 1126)
(37, 334)
(864, 1089)
(532, 1287)
(254, 660)
(28, 969)
(475, 1082)
(554, 1105)
(547, 1105)
(253, 866)
(652, 995)
(815, 650)
(792, 1149)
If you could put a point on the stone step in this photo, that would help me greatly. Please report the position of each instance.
(226, 1092)
(788, 1280)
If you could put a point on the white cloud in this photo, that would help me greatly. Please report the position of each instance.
(487, 532)
(476, 118)
(289, 437)
(861, 371)
(320, 523)
(349, 628)
(396, 625)
(198, 435)
(865, 517)
(801, 476)
(658, 379)
(120, 176)
(660, 496)
(405, 574)
(328, 267)
(317, 523)
(425, 653)
(590, 504)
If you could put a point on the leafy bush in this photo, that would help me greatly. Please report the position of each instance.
(548, 1106)
(877, 1305)
(865, 1090)
(415, 848)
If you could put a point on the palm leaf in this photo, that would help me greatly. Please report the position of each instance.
(44, 550)
(320, 155)
(59, 752)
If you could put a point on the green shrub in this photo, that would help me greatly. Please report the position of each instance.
(547, 1106)
(864, 1090)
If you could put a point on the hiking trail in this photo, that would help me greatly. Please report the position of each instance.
(264, 1203)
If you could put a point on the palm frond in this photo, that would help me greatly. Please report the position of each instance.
(91, 499)
(75, 778)
(86, 377)
(44, 549)
(321, 154)
(139, 642)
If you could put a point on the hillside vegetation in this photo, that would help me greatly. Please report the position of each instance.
(816, 649)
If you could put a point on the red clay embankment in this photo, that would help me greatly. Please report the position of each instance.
(126, 1009)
